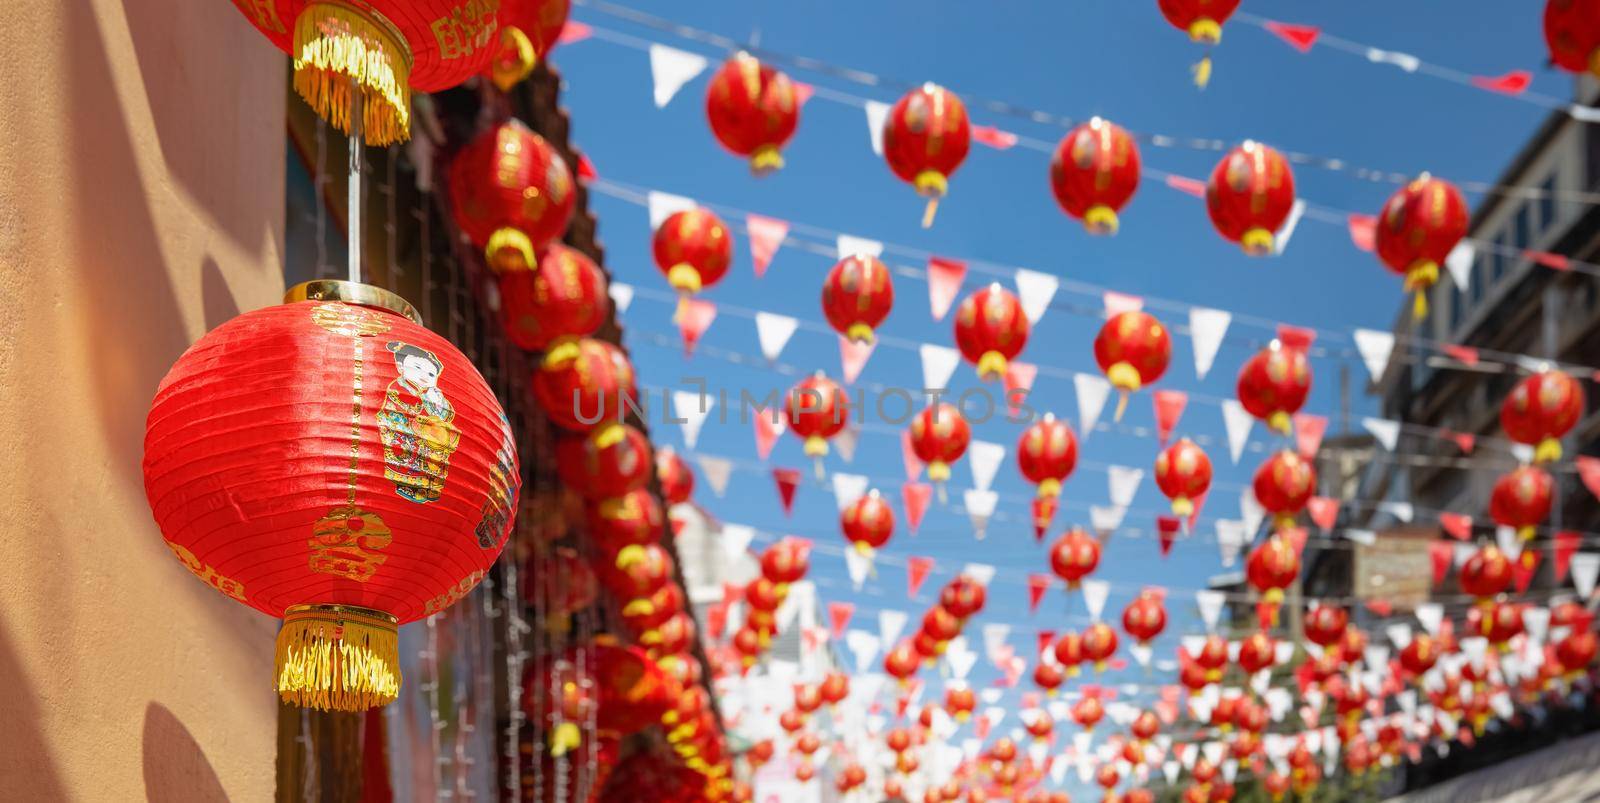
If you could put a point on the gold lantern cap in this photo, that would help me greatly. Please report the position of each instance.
(364, 295)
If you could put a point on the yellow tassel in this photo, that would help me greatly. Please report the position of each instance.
(991, 366)
(939, 471)
(1100, 219)
(335, 45)
(1182, 506)
(560, 352)
(932, 185)
(565, 739)
(859, 333)
(1205, 30)
(1050, 487)
(816, 447)
(1257, 242)
(629, 555)
(684, 278)
(1279, 422)
(515, 59)
(337, 658)
(1548, 451)
(766, 159)
(509, 251)
(1202, 72)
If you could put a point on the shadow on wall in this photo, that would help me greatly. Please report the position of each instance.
(175, 768)
(25, 764)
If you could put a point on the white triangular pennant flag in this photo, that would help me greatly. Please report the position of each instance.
(1170, 770)
(621, 296)
(848, 246)
(1124, 482)
(877, 116)
(846, 441)
(1085, 767)
(1363, 537)
(960, 663)
(1376, 657)
(716, 470)
(1141, 654)
(1035, 290)
(1510, 543)
(990, 696)
(858, 564)
(1399, 635)
(938, 365)
(864, 646)
(1187, 754)
(1459, 262)
(1210, 604)
(1251, 511)
(984, 458)
(1206, 330)
(890, 625)
(1094, 596)
(774, 331)
(1523, 452)
(1238, 422)
(1192, 644)
(1278, 703)
(1231, 537)
(1058, 771)
(980, 573)
(1092, 393)
(1408, 701)
(670, 69)
(847, 488)
(1430, 615)
(979, 506)
(663, 205)
(1585, 566)
(1375, 348)
(1213, 752)
(691, 409)
(994, 638)
(1403, 511)
(1462, 554)
(736, 539)
(1230, 770)
(1404, 61)
(1105, 520)
(1280, 243)
(1536, 620)
(1387, 432)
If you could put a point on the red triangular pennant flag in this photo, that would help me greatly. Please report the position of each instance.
(1524, 568)
(788, 480)
(802, 92)
(853, 357)
(716, 620)
(1299, 37)
(694, 318)
(1019, 380)
(993, 137)
(944, 282)
(586, 171)
(766, 234)
(1380, 606)
(839, 614)
(915, 495)
(1186, 185)
(1512, 83)
(1566, 545)
(1324, 511)
(1464, 441)
(1169, 406)
(980, 727)
(916, 571)
(1047, 638)
(1589, 472)
(914, 464)
(1549, 260)
(1297, 539)
(731, 593)
(677, 525)
(1199, 505)
(573, 31)
(1308, 432)
(1466, 355)
(1363, 231)
(1167, 529)
(1296, 337)
(1044, 511)
(1037, 585)
(1458, 525)
(768, 428)
(1441, 552)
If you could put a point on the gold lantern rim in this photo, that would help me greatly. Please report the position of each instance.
(364, 295)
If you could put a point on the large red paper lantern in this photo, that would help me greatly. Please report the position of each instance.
(857, 296)
(1418, 656)
(1250, 195)
(335, 465)
(604, 472)
(1099, 644)
(1274, 383)
(925, 138)
(547, 309)
(901, 662)
(786, 562)
(529, 30)
(647, 625)
(1049, 677)
(382, 49)
(1069, 652)
(693, 248)
(589, 393)
(1212, 657)
(1088, 712)
(1283, 485)
(621, 524)
(1577, 651)
(940, 625)
(868, 523)
(1486, 573)
(1183, 472)
(991, 330)
(1572, 32)
(959, 703)
(512, 194)
(1419, 226)
(672, 472)
(1540, 410)
(1074, 556)
(1145, 617)
(817, 409)
(1047, 452)
(963, 597)
(1257, 652)
(637, 582)
(753, 110)
(1521, 500)
(1325, 625)
(1270, 568)
(1201, 19)
(1133, 349)
(939, 437)
(1094, 173)
(559, 584)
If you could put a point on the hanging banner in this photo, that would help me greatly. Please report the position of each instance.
(944, 283)
(1169, 406)
(915, 496)
(938, 365)
(621, 296)
(1035, 290)
(853, 357)
(766, 235)
(1092, 391)
(670, 69)
(1206, 330)
(1237, 421)
(877, 116)
(717, 471)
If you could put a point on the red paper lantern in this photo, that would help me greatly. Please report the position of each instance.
(1419, 655)
(1192, 675)
(1577, 651)
(1249, 717)
(380, 48)
(1183, 473)
(1486, 573)
(817, 409)
(1540, 410)
(901, 662)
(959, 703)
(675, 635)
(807, 699)
(868, 523)
(1145, 726)
(1069, 652)
(963, 597)
(1099, 644)
(622, 524)
(940, 626)
(693, 248)
(925, 138)
(1133, 349)
(677, 481)
(762, 594)
(939, 437)
(1107, 776)
(1088, 712)
(529, 30)
(1572, 32)
(590, 393)
(604, 472)
(804, 772)
(1419, 226)
(898, 740)
(1049, 677)
(1074, 556)
(786, 562)
(513, 195)
(1271, 568)
(857, 296)
(549, 308)
(559, 584)
(1212, 657)
(1274, 383)
(991, 330)
(1521, 500)
(1283, 485)
(1325, 625)
(1257, 652)
(646, 625)
(753, 109)
(1094, 173)
(1003, 750)
(637, 582)
(1047, 453)
(343, 519)
(1144, 618)
(1250, 195)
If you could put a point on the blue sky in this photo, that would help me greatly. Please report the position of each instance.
(1116, 59)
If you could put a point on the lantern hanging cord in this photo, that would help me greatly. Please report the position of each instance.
(353, 202)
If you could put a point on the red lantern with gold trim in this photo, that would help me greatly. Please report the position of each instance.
(344, 520)
(1049, 677)
(1572, 32)
(1486, 573)
(1094, 173)
(817, 409)
(1145, 617)
(1183, 472)
(621, 690)
(560, 583)
(589, 393)
(857, 296)
(1074, 556)
(604, 472)
(1521, 500)
(1540, 410)
(1257, 652)
(1274, 383)
(834, 688)
(939, 437)
(1069, 652)
(1283, 485)
(549, 308)
(762, 594)
(1099, 644)
(637, 582)
(621, 524)
(646, 625)
(693, 248)
(677, 481)
(901, 662)
(512, 194)
(1133, 349)
(1418, 656)
(940, 626)
(925, 138)
(1108, 777)
(1145, 726)
(1212, 657)
(1271, 568)
(1047, 453)
(747, 643)
(959, 703)
(1325, 625)
(868, 523)
(1250, 195)
(753, 109)
(786, 562)
(963, 597)
(529, 30)
(991, 330)
(1419, 226)
(382, 49)
(1577, 651)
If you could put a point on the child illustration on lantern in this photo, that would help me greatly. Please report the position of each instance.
(416, 425)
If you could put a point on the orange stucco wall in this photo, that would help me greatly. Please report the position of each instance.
(141, 203)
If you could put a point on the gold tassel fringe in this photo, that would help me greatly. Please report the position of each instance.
(335, 44)
(509, 251)
(338, 658)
